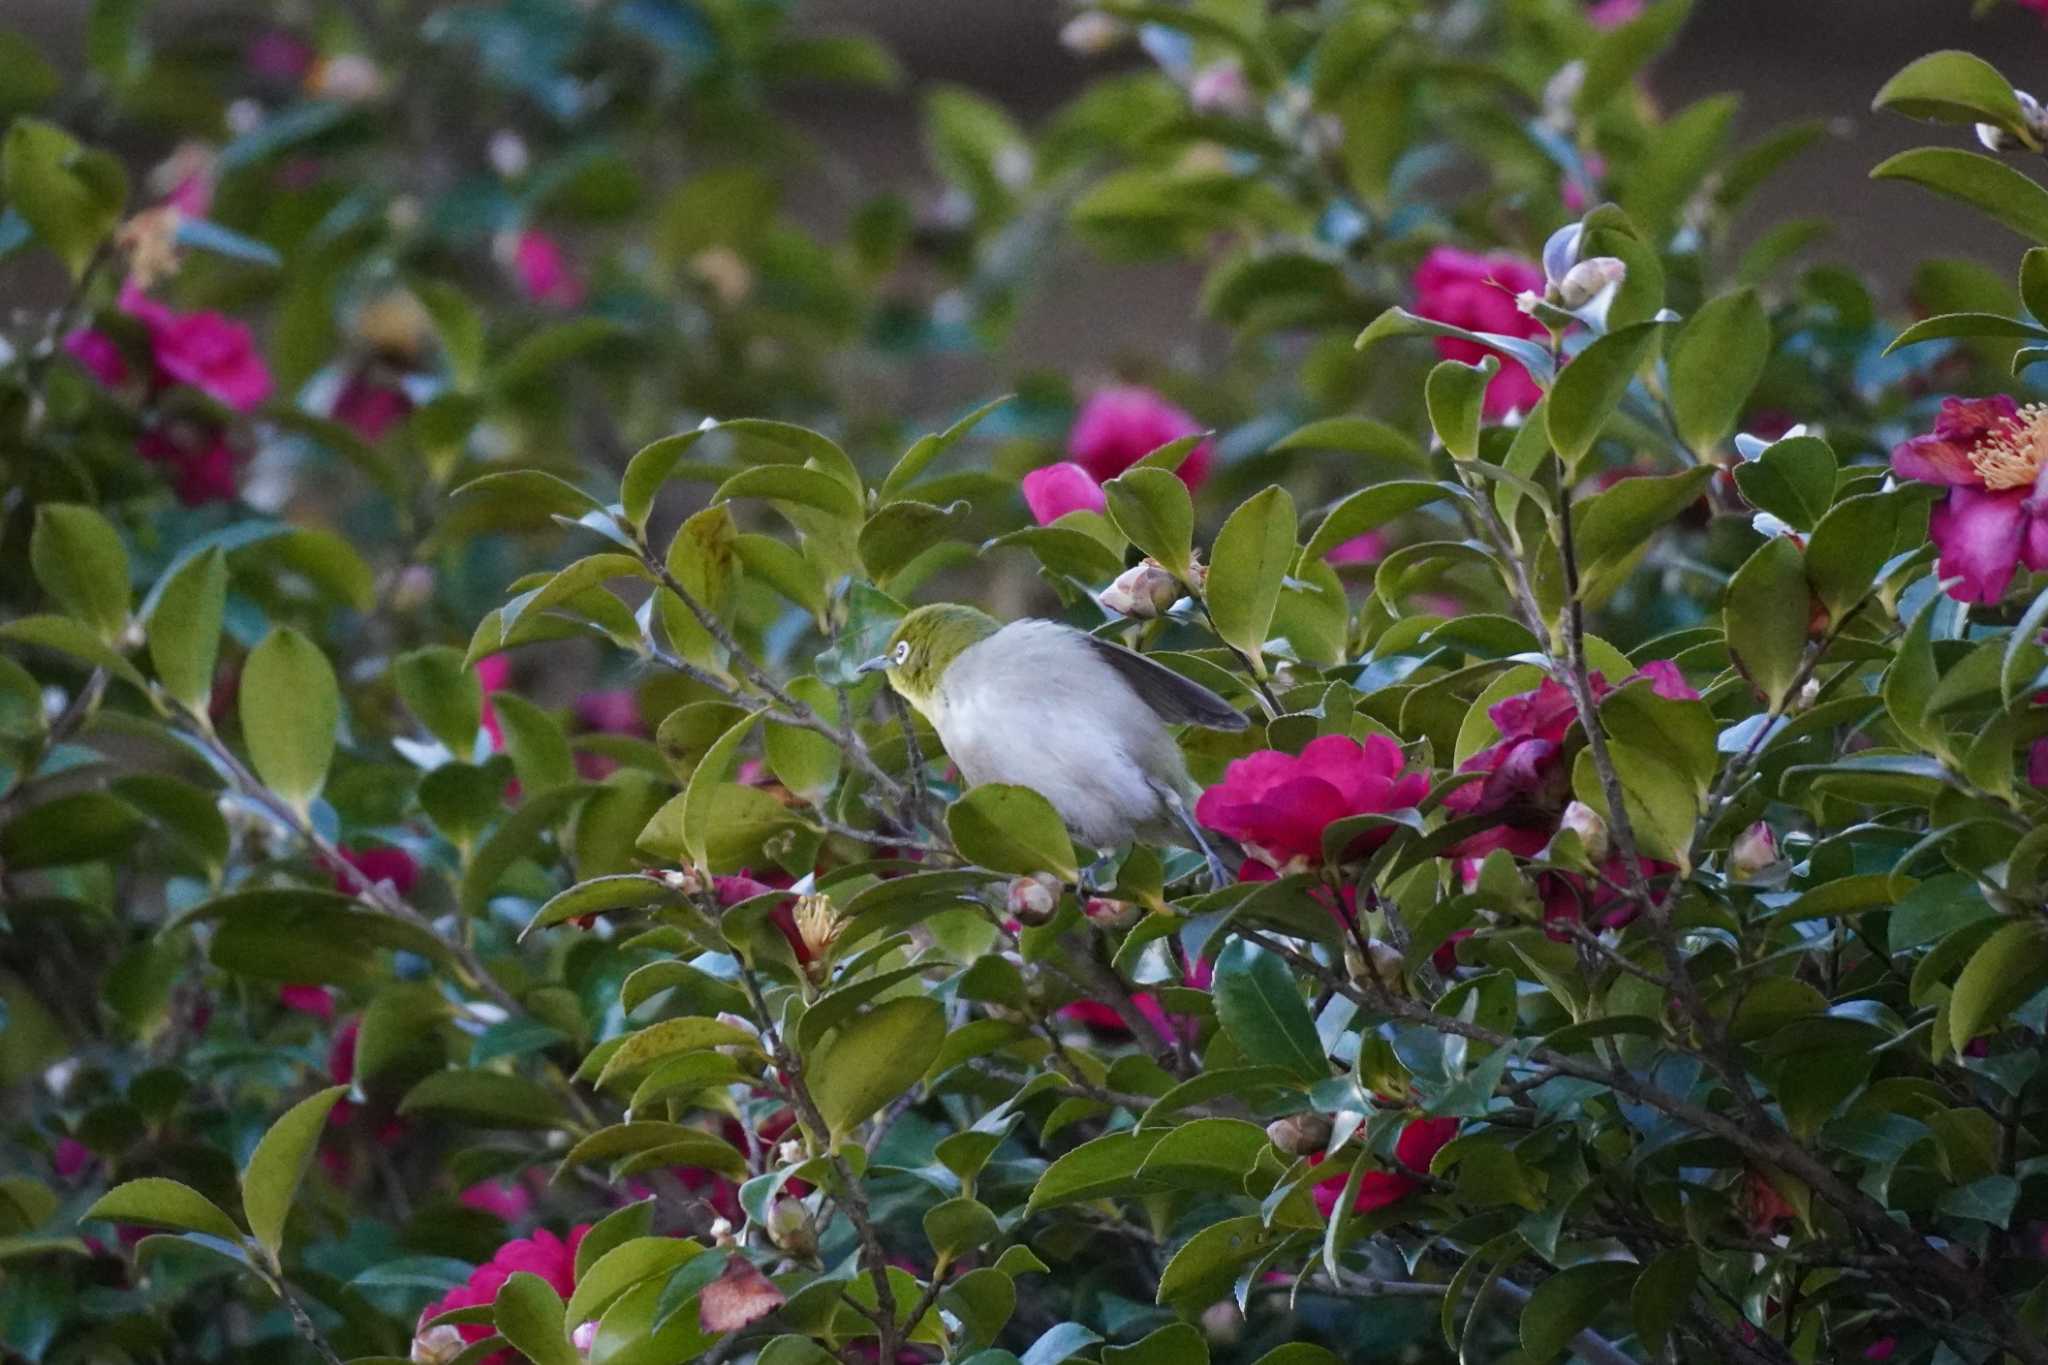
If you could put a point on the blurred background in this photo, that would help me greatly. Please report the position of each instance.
(1788, 59)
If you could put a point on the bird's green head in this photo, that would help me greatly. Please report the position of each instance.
(925, 643)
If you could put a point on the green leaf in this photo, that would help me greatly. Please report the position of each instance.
(1662, 1296)
(1955, 87)
(528, 1314)
(1011, 829)
(2034, 281)
(671, 1038)
(70, 194)
(1990, 1199)
(1370, 508)
(1456, 396)
(1261, 1008)
(1058, 1343)
(1153, 510)
(1625, 49)
(1563, 1305)
(278, 1164)
(803, 760)
(928, 448)
(1947, 325)
(159, 1203)
(1793, 480)
(1298, 1353)
(1715, 364)
(960, 1226)
(2001, 975)
(444, 694)
(26, 77)
(79, 827)
(1355, 436)
(1206, 1264)
(1849, 545)
(1591, 387)
(702, 559)
(184, 628)
(905, 529)
(291, 712)
(1399, 322)
(625, 1265)
(1178, 1343)
(488, 1099)
(1765, 615)
(512, 840)
(79, 560)
(1247, 568)
(870, 1060)
(1996, 189)
(797, 484)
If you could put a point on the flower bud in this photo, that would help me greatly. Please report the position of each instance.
(685, 880)
(1144, 592)
(1092, 33)
(790, 1153)
(720, 1232)
(1031, 900)
(395, 324)
(1380, 965)
(1220, 88)
(1591, 827)
(1585, 281)
(791, 1229)
(1302, 1134)
(1809, 693)
(1754, 855)
(1111, 914)
(1222, 1323)
(437, 1345)
(584, 1337)
(1997, 139)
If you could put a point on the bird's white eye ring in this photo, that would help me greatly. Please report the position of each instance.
(903, 651)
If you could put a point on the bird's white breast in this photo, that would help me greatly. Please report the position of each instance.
(1035, 705)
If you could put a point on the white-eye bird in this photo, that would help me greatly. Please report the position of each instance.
(1081, 721)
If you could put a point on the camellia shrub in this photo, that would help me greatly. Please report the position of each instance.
(481, 873)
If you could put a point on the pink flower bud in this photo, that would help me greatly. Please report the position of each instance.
(1144, 592)
(1585, 281)
(1058, 489)
(584, 1337)
(1755, 853)
(1031, 900)
(1220, 88)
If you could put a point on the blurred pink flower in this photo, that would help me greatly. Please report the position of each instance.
(198, 461)
(102, 359)
(2037, 763)
(1220, 88)
(1058, 489)
(279, 56)
(1992, 457)
(1121, 425)
(1615, 13)
(544, 1254)
(206, 350)
(544, 272)
(610, 711)
(69, 1158)
(1417, 1146)
(369, 865)
(1369, 548)
(1478, 293)
(370, 407)
(505, 1199)
(494, 673)
(1277, 804)
(317, 1001)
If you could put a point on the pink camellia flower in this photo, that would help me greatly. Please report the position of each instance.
(611, 711)
(544, 1254)
(507, 1200)
(1417, 1146)
(1121, 425)
(317, 1001)
(2039, 7)
(543, 271)
(370, 407)
(279, 56)
(494, 674)
(1058, 489)
(2037, 763)
(1277, 804)
(69, 1158)
(370, 865)
(1104, 1019)
(1992, 457)
(1478, 293)
(102, 359)
(1884, 1347)
(198, 460)
(1615, 13)
(206, 350)
(1569, 898)
(1369, 548)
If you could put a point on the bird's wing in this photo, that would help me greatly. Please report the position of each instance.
(1175, 699)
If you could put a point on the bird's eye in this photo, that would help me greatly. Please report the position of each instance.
(903, 651)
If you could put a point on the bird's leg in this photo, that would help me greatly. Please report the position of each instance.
(1218, 876)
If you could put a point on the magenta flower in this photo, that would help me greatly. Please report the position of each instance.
(1220, 88)
(1992, 457)
(1478, 293)
(2037, 763)
(369, 407)
(317, 1001)
(70, 1158)
(613, 711)
(1058, 489)
(1369, 548)
(494, 674)
(1420, 1141)
(1121, 425)
(1278, 804)
(370, 865)
(199, 461)
(1615, 13)
(212, 353)
(506, 1200)
(102, 359)
(279, 56)
(544, 1254)
(543, 270)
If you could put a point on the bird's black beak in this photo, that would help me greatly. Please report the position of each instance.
(874, 665)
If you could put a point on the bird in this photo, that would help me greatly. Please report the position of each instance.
(1080, 720)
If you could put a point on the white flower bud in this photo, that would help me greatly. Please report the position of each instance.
(584, 1337)
(1143, 592)
(1587, 280)
(1809, 693)
(685, 880)
(1092, 33)
(1031, 900)
(1302, 1134)
(437, 1345)
(1591, 827)
(1111, 913)
(790, 1228)
(1222, 1323)
(720, 1232)
(1754, 855)
(790, 1153)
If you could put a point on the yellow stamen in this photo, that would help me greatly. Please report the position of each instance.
(2015, 457)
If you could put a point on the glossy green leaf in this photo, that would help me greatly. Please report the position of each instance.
(2004, 972)
(1988, 185)
(528, 1313)
(291, 714)
(1765, 614)
(1011, 829)
(1589, 389)
(443, 694)
(1849, 545)
(159, 1203)
(1793, 480)
(1715, 363)
(271, 1180)
(185, 625)
(872, 1059)
(1260, 1006)
(70, 194)
(1456, 396)
(1152, 509)
(1248, 565)
(1568, 1302)
(80, 561)
(1955, 87)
